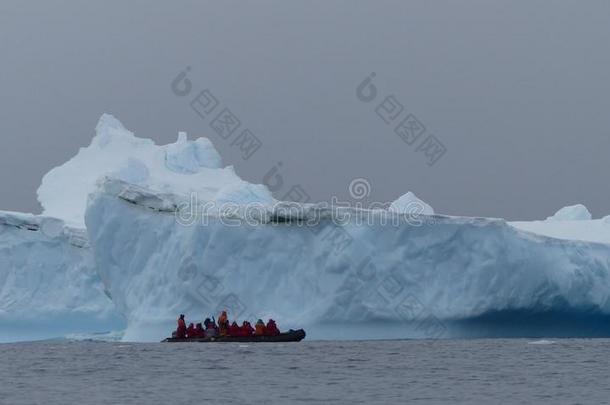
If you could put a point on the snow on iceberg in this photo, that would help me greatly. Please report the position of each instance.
(570, 223)
(408, 203)
(48, 284)
(436, 277)
(189, 157)
(183, 167)
(244, 193)
(576, 212)
(595, 230)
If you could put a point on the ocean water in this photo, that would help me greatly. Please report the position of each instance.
(476, 371)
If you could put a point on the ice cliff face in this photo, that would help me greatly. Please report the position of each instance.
(429, 276)
(48, 284)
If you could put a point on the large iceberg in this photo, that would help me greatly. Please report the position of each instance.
(169, 231)
(428, 276)
(48, 283)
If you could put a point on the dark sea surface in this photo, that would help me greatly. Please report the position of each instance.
(477, 371)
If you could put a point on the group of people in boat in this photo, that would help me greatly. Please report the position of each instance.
(209, 328)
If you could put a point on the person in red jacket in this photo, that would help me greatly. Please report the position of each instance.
(233, 329)
(199, 332)
(271, 328)
(181, 330)
(190, 331)
(246, 329)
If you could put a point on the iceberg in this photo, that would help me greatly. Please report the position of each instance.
(48, 283)
(438, 276)
(134, 233)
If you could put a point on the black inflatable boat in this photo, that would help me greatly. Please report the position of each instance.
(290, 336)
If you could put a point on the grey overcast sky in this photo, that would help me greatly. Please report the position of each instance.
(517, 91)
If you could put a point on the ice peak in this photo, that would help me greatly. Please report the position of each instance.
(408, 203)
(109, 122)
(107, 128)
(183, 167)
(576, 212)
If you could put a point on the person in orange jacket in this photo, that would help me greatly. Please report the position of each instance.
(181, 330)
(259, 328)
(246, 329)
(271, 328)
(223, 324)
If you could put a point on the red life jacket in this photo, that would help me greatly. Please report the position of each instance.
(246, 329)
(271, 328)
(190, 331)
